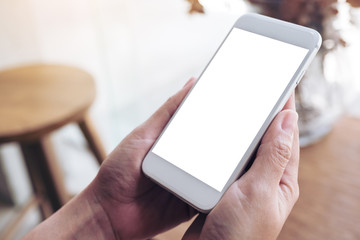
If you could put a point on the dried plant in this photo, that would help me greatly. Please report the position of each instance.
(317, 14)
(332, 19)
(195, 6)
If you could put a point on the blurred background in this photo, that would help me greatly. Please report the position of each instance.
(140, 52)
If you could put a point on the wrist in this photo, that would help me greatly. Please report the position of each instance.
(81, 218)
(95, 218)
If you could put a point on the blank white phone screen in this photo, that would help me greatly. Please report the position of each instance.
(225, 110)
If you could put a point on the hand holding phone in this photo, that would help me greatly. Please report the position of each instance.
(257, 205)
(121, 202)
(209, 141)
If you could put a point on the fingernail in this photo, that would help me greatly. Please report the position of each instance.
(289, 122)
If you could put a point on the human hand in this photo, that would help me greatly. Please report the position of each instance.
(121, 203)
(136, 207)
(257, 205)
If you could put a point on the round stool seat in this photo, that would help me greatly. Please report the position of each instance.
(34, 101)
(37, 99)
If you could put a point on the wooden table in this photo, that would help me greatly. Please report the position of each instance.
(329, 203)
(329, 179)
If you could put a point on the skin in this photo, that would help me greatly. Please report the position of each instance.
(121, 203)
(257, 205)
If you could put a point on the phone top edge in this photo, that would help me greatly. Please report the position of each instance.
(272, 27)
(272, 20)
(318, 37)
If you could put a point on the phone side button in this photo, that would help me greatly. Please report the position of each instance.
(300, 77)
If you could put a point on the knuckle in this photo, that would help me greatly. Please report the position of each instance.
(292, 193)
(257, 190)
(281, 153)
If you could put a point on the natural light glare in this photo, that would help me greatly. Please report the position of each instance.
(233, 6)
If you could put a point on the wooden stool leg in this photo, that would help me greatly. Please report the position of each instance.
(45, 175)
(92, 138)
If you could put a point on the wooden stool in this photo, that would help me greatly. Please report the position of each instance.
(35, 101)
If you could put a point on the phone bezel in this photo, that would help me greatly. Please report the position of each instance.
(191, 190)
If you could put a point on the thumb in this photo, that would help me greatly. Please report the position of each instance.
(276, 148)
(156, 123)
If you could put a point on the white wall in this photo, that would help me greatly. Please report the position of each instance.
(139, 52)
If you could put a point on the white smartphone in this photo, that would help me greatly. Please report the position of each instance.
(210, 139)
